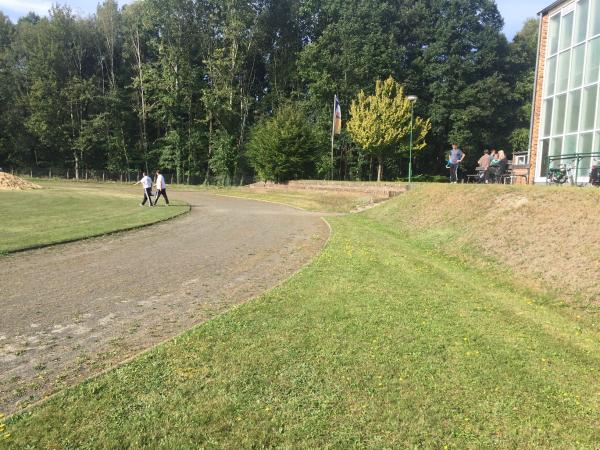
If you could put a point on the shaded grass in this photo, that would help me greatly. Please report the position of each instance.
(63, 212)
(382, 342)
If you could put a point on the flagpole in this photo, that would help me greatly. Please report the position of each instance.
(332, 136)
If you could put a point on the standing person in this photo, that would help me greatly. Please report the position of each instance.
(146, 183)
(161, 187)
(456, 157)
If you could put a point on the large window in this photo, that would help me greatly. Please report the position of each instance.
(570, 116)
(558, 116)
(577, 62)
(562, 76)
(588, 113)
(593, 62)
(566, 31)
(595, 18)
(553, 34)
(547, 117)
(581, 20)
(550, 76)
(573, 104)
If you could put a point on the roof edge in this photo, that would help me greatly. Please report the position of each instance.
(547, 9)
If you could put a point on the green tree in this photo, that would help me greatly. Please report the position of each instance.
(9, 111)
(164, 81)
(522, 59)
(380, 123)
(284, 147)
(460, 73)
(224, 157)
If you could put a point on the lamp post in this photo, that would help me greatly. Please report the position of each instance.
(412, 99)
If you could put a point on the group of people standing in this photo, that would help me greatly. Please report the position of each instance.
(161, 188)
(493, 164)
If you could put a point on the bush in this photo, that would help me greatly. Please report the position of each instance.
(425, 179)
(284, 147)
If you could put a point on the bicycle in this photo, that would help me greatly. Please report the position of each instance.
(594, 179)
(560, 175)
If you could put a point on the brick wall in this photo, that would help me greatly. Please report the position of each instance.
(539, 86)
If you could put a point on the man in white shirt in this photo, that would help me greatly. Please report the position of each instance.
(146, 183)
(161, 187)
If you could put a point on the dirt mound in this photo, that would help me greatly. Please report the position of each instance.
(9, 182)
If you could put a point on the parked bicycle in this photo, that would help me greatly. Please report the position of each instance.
(595, 173)
(561, 174)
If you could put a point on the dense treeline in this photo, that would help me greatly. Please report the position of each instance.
(180, 84)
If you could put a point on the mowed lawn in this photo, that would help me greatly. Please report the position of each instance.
(382, 342)
(64, 212)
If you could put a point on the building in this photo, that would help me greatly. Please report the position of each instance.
(565, 125)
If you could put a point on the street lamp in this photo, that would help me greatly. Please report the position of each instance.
(412, 99)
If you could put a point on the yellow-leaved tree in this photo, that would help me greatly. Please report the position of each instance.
(380, 123)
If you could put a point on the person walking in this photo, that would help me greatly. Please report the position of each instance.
(161, 187)
(146, 183)
(456, 157)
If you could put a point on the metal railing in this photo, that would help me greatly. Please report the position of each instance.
(579, 164)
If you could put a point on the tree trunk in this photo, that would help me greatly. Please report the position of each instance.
(379, 168)
(73, 141)
(76, 165)
(210, 130)
(138, 56)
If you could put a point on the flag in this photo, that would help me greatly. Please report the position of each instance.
(337, 116)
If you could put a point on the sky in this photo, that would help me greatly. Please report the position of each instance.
(515, 12)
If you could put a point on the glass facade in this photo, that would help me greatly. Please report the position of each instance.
(570, 116)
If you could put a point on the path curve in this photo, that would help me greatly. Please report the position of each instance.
(70, 311)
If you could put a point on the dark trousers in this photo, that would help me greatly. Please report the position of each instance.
(162, 192)
(493, 174)
(147, 196)
(453, 172)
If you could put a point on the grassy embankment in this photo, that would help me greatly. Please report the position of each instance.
(64, 212)
(383, 342)
(337, 202)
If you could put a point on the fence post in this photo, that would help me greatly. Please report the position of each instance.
(50, 172)
(30, 172)
(67, 174)
(103, 176)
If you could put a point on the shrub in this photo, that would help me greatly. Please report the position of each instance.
(284, 147)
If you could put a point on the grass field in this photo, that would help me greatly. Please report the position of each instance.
(382, 342)
(64, 212)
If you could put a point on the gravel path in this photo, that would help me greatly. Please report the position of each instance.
(70, 311)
